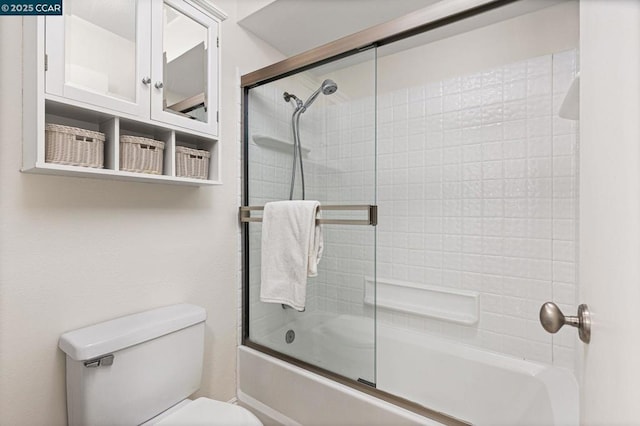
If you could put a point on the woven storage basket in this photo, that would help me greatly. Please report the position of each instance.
(141, 155)
(192, 163)
(73, 146)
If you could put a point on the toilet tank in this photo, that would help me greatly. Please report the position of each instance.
(130, 369)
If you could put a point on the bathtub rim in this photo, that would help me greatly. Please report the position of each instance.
(406, 404)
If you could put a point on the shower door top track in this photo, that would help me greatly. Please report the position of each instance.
(388, 32)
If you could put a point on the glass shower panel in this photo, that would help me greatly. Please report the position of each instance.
(336, 331)
(477, 196)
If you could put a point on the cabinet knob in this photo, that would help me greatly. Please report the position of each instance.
(159, 85)
(146, 80)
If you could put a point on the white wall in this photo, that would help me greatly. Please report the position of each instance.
(75, 251)
(247, 7)
(610, 209)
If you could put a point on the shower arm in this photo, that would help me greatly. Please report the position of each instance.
(290, 96)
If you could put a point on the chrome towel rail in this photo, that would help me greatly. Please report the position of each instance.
(372, 210)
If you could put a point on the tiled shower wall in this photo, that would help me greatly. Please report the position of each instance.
(348, 177)
(339, 169)
(476, 187)
(477, 190)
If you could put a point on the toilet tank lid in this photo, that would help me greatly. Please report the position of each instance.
(120, 333)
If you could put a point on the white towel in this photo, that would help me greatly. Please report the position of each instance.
(291, 249)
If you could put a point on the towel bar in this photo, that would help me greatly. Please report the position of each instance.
(245, 214)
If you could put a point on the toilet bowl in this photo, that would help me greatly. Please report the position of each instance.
(205, 411)
(154, 358)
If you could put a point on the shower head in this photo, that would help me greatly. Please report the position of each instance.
(327, 87)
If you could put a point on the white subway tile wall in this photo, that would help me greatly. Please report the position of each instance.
(476, 188)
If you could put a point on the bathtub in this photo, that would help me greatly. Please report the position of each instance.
(466, 383)
(344, 344)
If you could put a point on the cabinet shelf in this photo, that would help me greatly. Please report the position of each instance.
(114, 126)
(64, 170)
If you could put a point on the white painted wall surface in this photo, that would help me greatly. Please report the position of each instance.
(75, 251)
(247, 7)
(610, 209)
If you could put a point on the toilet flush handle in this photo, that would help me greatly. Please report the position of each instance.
(99, 362)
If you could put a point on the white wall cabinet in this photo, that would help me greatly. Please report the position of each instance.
(133, 67)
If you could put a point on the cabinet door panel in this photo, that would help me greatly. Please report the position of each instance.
(185, 68)
(98, 52)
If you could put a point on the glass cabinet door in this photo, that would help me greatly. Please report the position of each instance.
(185, 67)
(98, 53)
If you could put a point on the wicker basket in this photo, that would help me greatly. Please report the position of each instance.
(141, 155)
(192, 163)
(73, 146)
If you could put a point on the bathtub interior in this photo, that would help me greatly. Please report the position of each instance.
(478, 386)
(343, 344)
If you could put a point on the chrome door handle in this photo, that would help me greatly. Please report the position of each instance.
(146, 80)
(159, 85)
(552, 320)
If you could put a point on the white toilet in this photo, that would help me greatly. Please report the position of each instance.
(140, 369)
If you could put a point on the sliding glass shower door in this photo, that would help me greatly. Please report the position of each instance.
(333, 106)
(465, 136)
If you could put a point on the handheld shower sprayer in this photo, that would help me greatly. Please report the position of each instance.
(327, 87)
